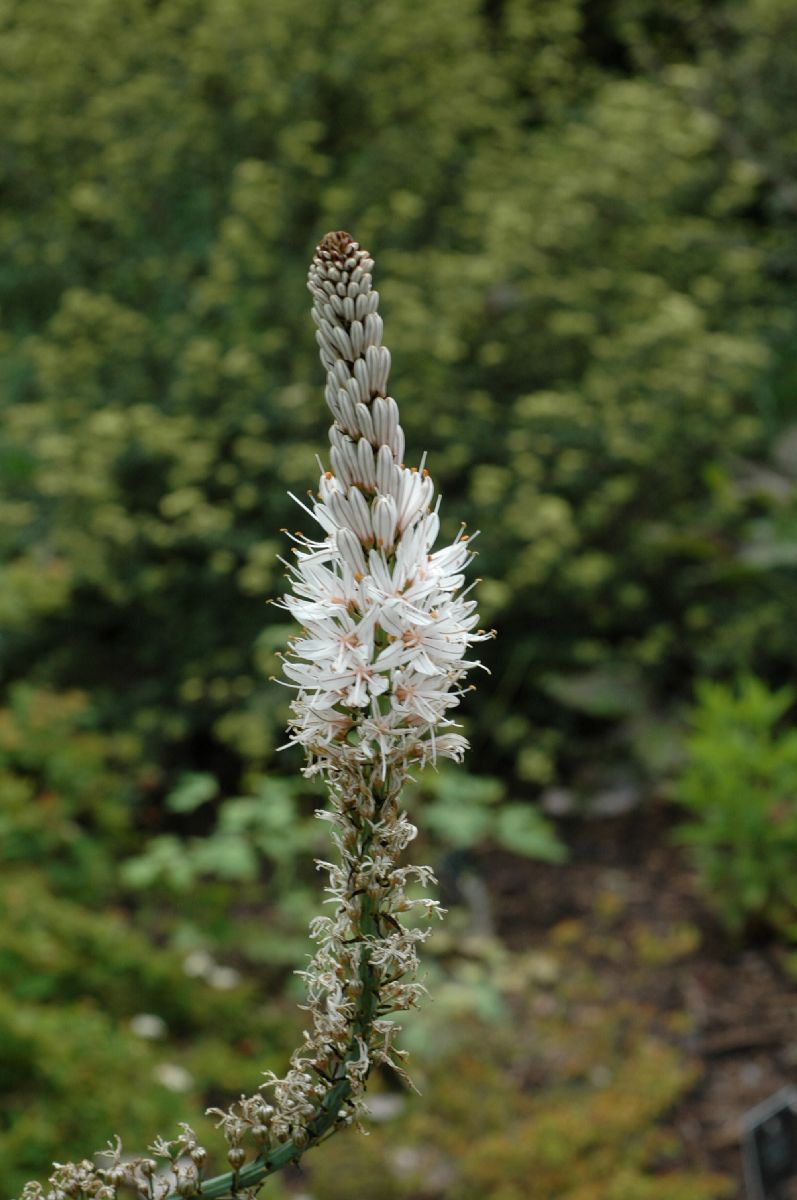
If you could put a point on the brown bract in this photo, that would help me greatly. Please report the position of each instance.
(336, 244)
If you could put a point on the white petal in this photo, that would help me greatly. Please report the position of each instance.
(356, 335)
(383, 518)
(373, 329)
(361, 514)
(351, 551)
(365, 461)
(364, 422)
(384, 466)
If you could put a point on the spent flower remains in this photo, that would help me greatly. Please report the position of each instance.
(379, 663)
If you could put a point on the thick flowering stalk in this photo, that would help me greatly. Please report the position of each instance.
(376, 669)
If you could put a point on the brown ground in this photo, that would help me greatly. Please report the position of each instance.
(741, 1001)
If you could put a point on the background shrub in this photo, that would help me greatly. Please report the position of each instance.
(582, 234)
(583, 217)
(740, 789)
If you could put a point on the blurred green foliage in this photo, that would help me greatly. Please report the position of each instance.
(65, 791)
(583, 219)
(266, 824)
(740, 789)
(261, 844)
(560, 1088)
(581, 224)
(462, 812)
(103, 1032)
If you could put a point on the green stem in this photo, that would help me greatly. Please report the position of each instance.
(228, 1185)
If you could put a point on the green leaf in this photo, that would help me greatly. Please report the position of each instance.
(458, 825)
(605, 692)
(165, 858)
(193, 790)
(227, 857)
(460, 788)
(523, 830)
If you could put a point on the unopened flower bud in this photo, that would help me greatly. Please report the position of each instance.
(187, 1184)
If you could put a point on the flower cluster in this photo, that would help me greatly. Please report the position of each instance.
(170, 1167)
(386, 627)
(378, 665)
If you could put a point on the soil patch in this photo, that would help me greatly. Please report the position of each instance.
(627, 883)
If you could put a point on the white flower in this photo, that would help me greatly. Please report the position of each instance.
(386, 628)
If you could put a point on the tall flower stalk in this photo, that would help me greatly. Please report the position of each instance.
(379, 663)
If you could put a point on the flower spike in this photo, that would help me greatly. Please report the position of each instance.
(377, 667)
(386, 634)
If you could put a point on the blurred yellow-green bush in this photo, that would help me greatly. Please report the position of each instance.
(569, 1093)
(739, 790)
(583, 220)
(581, 225)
